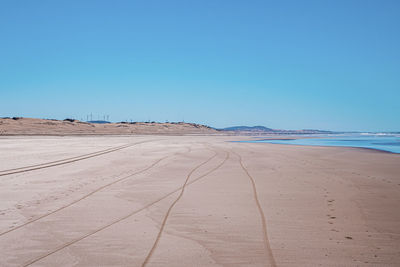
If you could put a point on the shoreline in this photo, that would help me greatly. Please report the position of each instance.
(266, 141)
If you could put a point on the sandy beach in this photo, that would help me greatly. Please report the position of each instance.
(195, 201)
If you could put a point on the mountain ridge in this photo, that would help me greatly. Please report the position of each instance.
(257, 128)
(265, 130)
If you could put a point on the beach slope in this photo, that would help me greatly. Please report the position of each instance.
(195, 201)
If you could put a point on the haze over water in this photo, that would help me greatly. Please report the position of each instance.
(390, 143)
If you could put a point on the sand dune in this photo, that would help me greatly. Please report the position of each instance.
(195, 201)
(31, 126)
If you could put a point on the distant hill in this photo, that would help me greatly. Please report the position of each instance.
(31, 126)
(259, 130)
(248, 129)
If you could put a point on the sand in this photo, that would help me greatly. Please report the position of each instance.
(195, 201)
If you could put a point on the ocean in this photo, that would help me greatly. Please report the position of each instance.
(384, 142)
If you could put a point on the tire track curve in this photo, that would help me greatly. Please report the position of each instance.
(28, 168)
(124, 217)
(83, 197)
(153, 248)
(267, 244)
(67, 160)
(55, 161)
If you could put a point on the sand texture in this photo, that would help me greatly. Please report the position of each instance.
(195, 201)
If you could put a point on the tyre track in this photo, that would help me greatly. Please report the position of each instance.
(67, 160)
(27, 168)
(83, 197)
(126, 216)
(267, 244)
(153, 248)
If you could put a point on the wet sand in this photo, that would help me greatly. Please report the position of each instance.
(195, 201)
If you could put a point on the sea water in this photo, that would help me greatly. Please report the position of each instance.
(385, 142)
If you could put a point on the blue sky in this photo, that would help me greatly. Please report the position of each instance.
(331, 65)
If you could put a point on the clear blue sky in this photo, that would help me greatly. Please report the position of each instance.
(331, 65)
